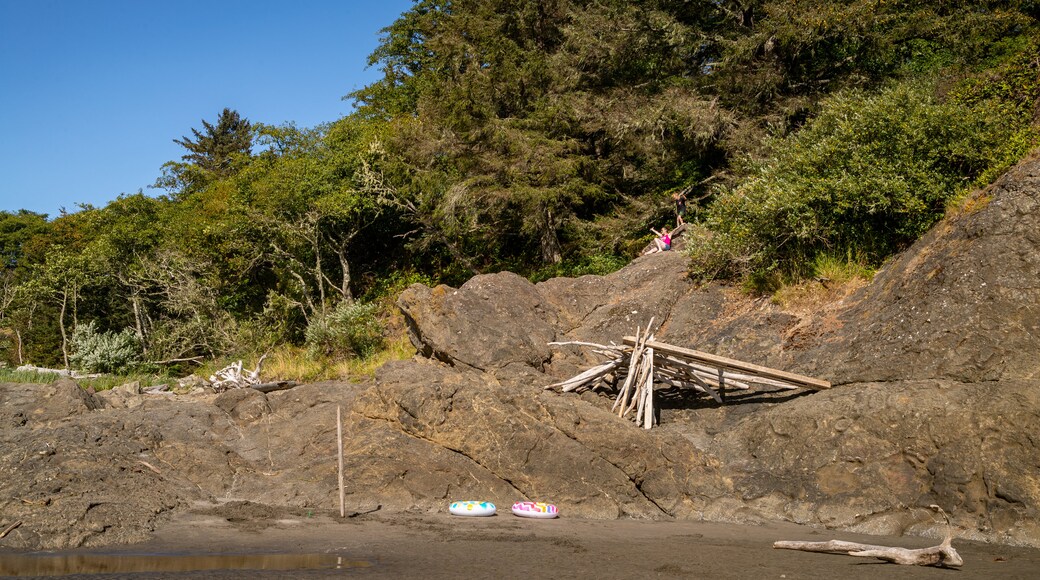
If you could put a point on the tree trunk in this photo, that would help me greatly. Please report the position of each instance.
(61, 323)
(135, 300)
(344, 265)
(550, 245)
(319, 275)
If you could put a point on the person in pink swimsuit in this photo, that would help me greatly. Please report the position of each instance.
(662, 242)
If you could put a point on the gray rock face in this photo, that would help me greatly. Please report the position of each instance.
(937, 362)
(492, 321)
(962, 304)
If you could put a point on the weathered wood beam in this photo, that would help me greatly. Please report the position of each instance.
(729, 363)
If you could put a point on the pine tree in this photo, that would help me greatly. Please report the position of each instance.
(216, 148)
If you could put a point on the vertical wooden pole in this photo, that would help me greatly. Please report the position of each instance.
(339, 438)
(722, 386)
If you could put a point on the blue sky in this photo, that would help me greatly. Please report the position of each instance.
(93, 92)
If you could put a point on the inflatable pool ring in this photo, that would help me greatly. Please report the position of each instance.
(531, 509)
(472, 508)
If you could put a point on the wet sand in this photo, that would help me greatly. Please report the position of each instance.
(504, 546)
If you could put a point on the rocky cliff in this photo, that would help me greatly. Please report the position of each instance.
(936, 366)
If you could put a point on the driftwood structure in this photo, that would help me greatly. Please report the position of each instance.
(232, 377)
(942, 556)
(642, 361)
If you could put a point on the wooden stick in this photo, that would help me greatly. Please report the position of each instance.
(707, 373)
(582, 343)
(640, 395)
(593, 373)
(339, 438)
(730, 376)
(722, 385)
(646, 370)
(622, 397)
(728, 363)
(8, 529)
(700, 387)
(702, 378)
(645, 367)
(648, 408)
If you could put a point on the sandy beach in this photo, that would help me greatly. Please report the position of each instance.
(503, 546)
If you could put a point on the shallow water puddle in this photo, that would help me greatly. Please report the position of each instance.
(48, 564)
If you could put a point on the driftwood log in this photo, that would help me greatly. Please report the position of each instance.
(8, 529)
(74, 374)
(274, 386)
(942, 556)
(232, 377)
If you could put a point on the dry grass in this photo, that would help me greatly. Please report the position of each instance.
(397, 348)
(290, 363)
(969, 204)
(833, 279)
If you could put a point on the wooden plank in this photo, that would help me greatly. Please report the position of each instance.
(729, 363)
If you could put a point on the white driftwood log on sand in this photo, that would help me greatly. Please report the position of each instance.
(943, 555)
(643, 361)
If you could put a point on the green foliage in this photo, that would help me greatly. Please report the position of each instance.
(1010, 94)
(839, 269)
(351, 328)
(780, 53)
(537, 117)
(393, 283)
(593, 264)
(16, 230)
(217, 151)
(544, 136)
(102, 383)
(868, 175)
(104, 352)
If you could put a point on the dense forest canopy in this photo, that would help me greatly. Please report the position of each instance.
(545, 137)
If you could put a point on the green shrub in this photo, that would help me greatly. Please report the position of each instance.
(351, 328)
(866, 177)
(596, 264)
(104, 352)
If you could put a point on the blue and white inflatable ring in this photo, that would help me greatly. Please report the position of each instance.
(472, 508)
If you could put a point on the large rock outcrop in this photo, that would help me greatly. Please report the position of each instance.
(962, 304)
(937, 364)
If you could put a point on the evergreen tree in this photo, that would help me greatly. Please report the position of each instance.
(216, 148)
(215, 152)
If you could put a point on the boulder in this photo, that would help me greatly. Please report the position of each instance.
(490, 322)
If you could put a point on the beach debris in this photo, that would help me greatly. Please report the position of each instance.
(9, 528)
(231, 376)
(150, 466)
(72, 374)
(942, 556)
(644, 361)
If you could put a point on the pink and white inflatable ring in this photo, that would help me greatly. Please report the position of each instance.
(531, 509)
